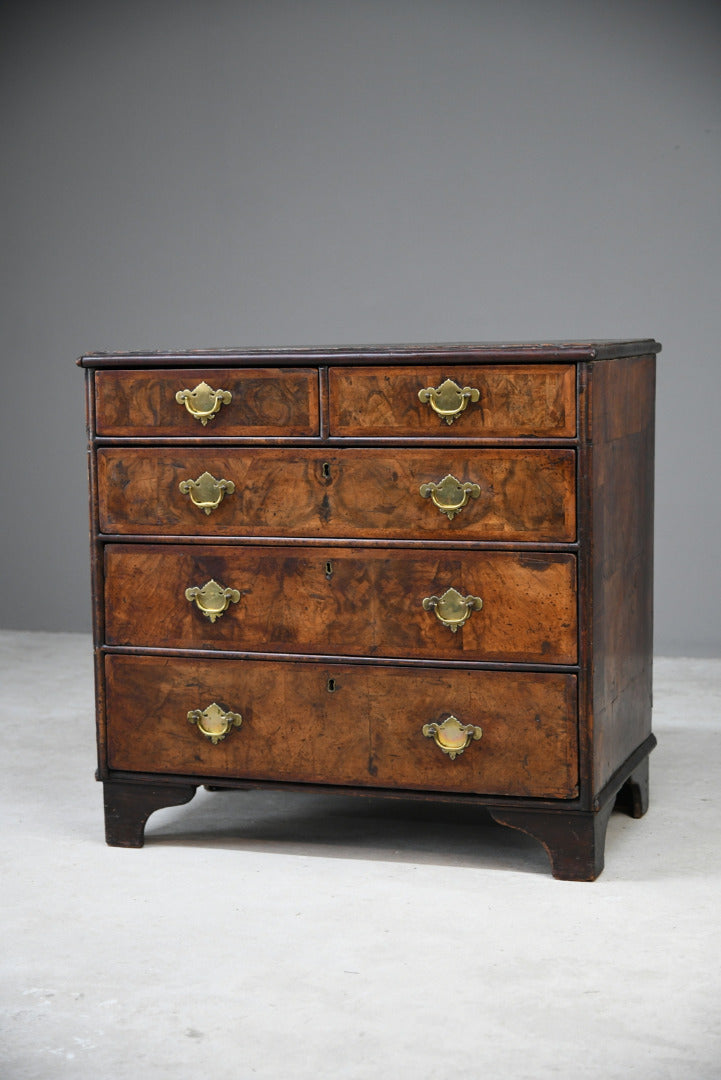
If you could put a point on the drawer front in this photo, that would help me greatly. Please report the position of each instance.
(345, 724)
(361, 493)
(503, 401)
(143, 404)
(337, 601)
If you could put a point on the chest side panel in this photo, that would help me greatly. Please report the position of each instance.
(620, 490)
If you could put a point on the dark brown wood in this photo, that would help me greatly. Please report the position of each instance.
(340, 493)
(536, 401)
(341, 601)
(342, 724)
(619, 612)
(329, 655)
(129, 805)
(474, 352)
(574, 841)
(136, 404)
(634, 795)
(96, 576)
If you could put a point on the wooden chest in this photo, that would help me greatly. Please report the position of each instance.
(419, 570)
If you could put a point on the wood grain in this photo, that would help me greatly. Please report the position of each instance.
(575, 842)
(493, 352)
(355, 493)
(141, 404)
(537, 401)
(366, 730)
(620, 490)
(340, 601)
(332, 549)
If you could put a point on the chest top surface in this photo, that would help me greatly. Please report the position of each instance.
(500, 352)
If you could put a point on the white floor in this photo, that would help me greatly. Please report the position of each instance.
(260, 935)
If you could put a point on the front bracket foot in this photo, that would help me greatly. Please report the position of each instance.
(574, 841)
(129, 805)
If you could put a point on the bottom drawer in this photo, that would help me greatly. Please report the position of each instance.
(361, 725)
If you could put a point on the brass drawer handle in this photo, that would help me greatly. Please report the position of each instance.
(212, 599)
(448, 400)
(452, 609)
(449, 494)
(214, 723)
(206, 492)
(452, 737)
(203, 402)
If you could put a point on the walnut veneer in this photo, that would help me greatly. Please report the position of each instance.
(417, 570)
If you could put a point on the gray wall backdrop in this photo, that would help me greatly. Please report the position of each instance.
(226, 173)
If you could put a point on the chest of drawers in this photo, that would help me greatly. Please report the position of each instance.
(417, 570)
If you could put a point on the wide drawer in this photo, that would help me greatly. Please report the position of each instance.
(344, 724)
(501, 401)
(337, 601)
(488, 494)
(249, 402)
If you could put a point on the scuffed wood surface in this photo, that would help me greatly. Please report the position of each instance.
(366, 730)
(515, 401)
(621, 493)
(354, 493)
(141, 404)
(339, 601)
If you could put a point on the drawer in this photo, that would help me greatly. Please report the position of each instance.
(508, 494)
(339, 601)
(344, 724)
(261, 402)
(501, 401)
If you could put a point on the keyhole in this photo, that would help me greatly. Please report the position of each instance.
(329, 569)
(331, 686)
(325, 470)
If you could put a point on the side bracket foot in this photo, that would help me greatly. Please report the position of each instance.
(633, 796)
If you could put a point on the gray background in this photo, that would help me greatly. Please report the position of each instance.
(216, 173)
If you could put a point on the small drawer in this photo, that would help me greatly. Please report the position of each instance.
(378, 727)
(484, 402)
(219, 402)
(482, 605)
(363, 493)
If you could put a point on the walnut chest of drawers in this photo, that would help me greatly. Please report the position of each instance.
(410, 570)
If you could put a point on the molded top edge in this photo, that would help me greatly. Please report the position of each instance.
(527, 352)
